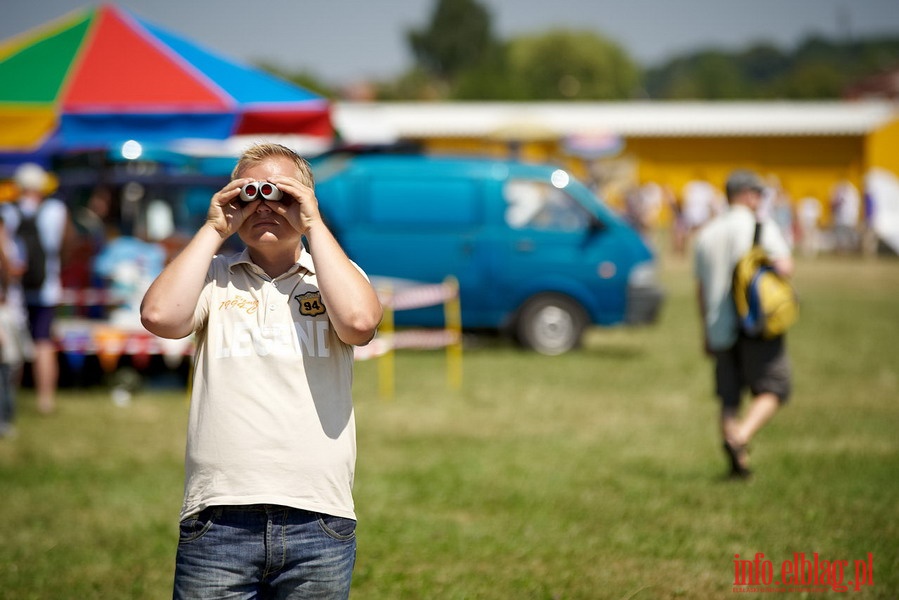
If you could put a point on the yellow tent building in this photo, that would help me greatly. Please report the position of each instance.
(809, 147)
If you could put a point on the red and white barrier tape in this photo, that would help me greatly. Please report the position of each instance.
(419, 339)
(120, 342)
(137, 343)
(91, 297)
(418, 297)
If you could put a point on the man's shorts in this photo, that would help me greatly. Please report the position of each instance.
(762, 366)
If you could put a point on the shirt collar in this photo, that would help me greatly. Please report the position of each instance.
(742, 208)
(305, 261)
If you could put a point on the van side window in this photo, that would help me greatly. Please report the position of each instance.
(538, 205)
(422, 202)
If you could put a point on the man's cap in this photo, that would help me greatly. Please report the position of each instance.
(743, 180)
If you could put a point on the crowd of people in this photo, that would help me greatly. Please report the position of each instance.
(98, 256)
(271, 435)
(46, 247)
(714, 226)
(842, 223)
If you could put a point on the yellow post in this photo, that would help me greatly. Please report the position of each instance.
(452, 309)
(386, 362)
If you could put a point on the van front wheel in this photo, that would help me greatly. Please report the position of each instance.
(551, 324)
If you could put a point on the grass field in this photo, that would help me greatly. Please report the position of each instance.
(592, 475)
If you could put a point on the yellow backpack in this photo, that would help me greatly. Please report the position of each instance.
(766, 303)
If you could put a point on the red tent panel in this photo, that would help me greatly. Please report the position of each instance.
(120, 69)
(317, 123)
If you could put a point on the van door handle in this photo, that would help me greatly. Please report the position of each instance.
(524, 245)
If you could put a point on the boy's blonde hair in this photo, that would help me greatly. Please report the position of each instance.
(257, 153)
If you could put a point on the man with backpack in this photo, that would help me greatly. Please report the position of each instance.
(742, 361)
(39, 225)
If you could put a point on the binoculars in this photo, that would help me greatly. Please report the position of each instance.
(260, 190)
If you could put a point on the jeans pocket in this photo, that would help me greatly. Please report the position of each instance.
(339, 528)
(195, 526)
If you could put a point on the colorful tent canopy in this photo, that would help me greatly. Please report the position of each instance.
(101, 76)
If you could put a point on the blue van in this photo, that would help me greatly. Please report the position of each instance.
(536, 254)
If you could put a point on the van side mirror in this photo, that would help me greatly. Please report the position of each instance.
(595, 226)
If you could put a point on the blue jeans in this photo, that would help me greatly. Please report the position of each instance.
(264, 551)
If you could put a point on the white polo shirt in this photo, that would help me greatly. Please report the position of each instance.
(271, 415)
(719, 246)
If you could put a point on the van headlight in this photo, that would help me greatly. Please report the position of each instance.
(643, 275)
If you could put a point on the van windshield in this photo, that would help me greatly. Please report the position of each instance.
(538, 205)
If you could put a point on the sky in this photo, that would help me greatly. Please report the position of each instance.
(346, 41)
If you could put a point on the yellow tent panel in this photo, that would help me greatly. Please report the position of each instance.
(25, 126)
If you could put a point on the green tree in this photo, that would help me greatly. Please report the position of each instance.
(813, 81)
(717, 77)
(762, 63)
(487, 81)
(458, 37)
(569, 65)
(708, 74)
(414, 84)
(876, 55)
(817, 69)
(458, 58)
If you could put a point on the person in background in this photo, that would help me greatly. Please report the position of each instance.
(701, 202)
(42, 232)
(93, 226)
(845, 212)
(271, 443)
(93, 217)
(780, 208)
(741, 362)
(679, 228)
(15, 343)
(7, 393)
(808, 216)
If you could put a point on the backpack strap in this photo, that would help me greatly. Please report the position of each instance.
(23, 217)
(757, 236)
(21, 214)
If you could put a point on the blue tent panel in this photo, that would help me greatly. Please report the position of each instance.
(245, 84)
(100, 129)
